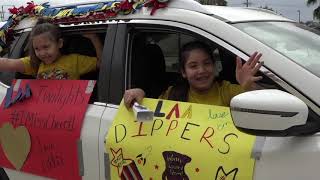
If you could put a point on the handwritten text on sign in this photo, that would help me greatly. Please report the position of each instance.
(184, 141)
(53, 116)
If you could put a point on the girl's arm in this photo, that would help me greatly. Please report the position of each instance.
(97, 45)
(11, 65)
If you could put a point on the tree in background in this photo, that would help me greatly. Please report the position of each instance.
(214, 2)
(316, 12)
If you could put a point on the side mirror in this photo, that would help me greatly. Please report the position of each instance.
(268, 112)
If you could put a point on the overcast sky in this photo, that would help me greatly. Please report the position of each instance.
(288, 8)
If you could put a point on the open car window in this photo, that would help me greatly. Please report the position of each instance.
(74, 43)
(154, 60)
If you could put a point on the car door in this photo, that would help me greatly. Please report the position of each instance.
(141, 53)
(170, 36)
(91, 144)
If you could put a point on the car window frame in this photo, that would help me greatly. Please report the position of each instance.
(103, 81)
(173, 25)
(14, 51)
(127, 26)
(313, 124)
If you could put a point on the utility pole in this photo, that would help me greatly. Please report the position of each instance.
(3, 12)
(247, 3)
(299, 15)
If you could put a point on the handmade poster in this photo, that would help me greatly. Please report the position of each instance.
(40, 125)
(183, 141)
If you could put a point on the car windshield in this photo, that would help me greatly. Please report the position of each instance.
(298, 42)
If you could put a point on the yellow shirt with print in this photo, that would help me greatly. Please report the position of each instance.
(220, 94)
(69, 66)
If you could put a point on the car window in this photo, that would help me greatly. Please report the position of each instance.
(166, 44)
(11, 52)
(153, 66)
(74, 42)
(154, 60)
(297, 42)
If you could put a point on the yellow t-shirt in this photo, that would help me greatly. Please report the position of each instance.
(220, 94)
(69, 66)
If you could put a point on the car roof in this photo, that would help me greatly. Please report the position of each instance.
(242, 14)
(181, 4)
(191, 5)
(227, 14)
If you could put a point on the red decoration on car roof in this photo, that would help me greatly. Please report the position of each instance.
(30, 8)
(13, 10)
(156, 4)
(74, 15)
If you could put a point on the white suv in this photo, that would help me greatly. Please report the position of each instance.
(141, 50)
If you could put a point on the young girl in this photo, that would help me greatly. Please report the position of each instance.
(201, 86)
(46, 61)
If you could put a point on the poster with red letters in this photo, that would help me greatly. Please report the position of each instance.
(40, 126)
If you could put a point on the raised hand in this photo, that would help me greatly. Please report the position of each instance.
(91, 36)
(94, 38)
(245, 73)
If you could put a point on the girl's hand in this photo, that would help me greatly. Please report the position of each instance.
(132, 95)
(91, 36)
(245, 73)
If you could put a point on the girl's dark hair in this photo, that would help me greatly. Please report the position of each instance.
(43, 26)
(179, 92)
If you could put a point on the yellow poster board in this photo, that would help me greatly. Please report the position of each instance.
(184, 141)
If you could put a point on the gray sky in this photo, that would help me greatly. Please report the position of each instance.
(288, 8)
